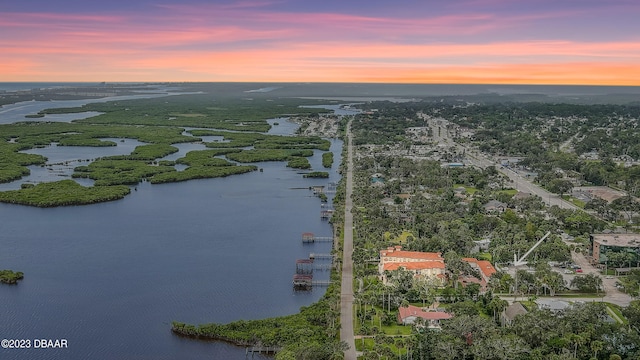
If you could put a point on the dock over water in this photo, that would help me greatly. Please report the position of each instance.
(311, 238)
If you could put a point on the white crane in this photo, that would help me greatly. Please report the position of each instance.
(521, 261)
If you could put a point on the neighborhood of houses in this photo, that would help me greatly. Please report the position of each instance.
(431, 266)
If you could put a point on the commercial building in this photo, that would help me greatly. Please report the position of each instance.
(603, 244)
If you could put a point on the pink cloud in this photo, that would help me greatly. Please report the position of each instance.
(245, 43)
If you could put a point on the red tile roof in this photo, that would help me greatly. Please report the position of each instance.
(484, 266)
(415, 265)
(411, 254)
(405, 312)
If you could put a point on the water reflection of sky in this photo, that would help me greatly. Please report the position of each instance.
(62, 160)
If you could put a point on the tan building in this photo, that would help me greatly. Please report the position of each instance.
(427, 264)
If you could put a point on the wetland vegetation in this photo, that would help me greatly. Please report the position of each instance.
(10, 276)
(159, 123)
(63, 193)
(327, 159)
(317, 174)
(311, 332)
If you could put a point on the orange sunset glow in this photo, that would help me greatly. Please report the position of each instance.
(480, 42)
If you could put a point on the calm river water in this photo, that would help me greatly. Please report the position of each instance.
(109, 278)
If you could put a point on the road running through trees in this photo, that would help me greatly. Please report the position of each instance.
(346, 289)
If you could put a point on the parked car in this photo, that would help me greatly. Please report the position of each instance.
(608, 277)
(578, 270)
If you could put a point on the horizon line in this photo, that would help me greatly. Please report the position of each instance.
(317, 82)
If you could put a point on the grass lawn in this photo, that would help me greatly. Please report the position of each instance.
(574, 201)
(369, 344)
(393, 329)
(509, 192)
(401, 239)
(616, 310)
(470, 189)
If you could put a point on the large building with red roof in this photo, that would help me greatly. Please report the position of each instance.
(429, 265)
(426, 264)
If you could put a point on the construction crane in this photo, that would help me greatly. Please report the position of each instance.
(518, 262)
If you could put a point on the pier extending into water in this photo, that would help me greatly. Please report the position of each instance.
(311, 238)
(269, 350)
(326, 214)
(314, 256)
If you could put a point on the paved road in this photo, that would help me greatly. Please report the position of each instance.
(520, 183)
(346, 289)
(614, 295)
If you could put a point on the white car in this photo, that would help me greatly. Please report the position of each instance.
(608, 277)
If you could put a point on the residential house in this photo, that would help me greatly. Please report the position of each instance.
(555, 306)
(495, 206)
(481, 245)
(484, 268)
(510, 312)
(520, 195)
(409, 315)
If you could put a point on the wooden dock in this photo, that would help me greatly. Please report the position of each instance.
(302, 281)
(314, 256)
(321, 282)
(309, 238)
(322, 267)
(326, 214)
(269, 350)
(304, 266)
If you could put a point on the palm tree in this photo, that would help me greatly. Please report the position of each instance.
(596, 346)
(577, 340)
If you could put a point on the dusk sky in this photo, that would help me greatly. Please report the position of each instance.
(419, 41)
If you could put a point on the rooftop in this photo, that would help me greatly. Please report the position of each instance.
(399, 253)
(415, 265)
(622, 240)
(427, 315)
(483, 265)
(514, 310)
